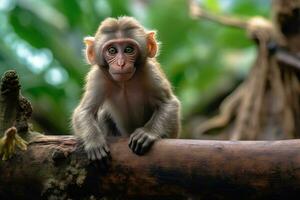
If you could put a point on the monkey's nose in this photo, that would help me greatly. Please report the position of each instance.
(121, 63)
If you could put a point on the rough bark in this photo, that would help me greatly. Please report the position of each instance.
(52, 168)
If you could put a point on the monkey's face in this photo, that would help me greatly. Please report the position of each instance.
(120, 46)
(121, 55)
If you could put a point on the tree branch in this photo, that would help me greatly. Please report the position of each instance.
(198, 13)
(172, 169)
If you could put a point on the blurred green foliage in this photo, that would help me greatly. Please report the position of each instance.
(42, 40)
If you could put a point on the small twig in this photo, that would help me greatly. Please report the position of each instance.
(198, 12)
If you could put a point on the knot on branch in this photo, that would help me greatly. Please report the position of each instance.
(25, 107)
(10, 82)
(260, 29)
(24, 112)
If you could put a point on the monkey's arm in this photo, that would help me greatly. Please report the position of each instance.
(85, 121)
(165, 122)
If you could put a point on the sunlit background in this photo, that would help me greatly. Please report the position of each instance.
(42, 40)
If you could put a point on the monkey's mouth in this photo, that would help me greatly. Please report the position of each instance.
(122, 76)
(122, 73)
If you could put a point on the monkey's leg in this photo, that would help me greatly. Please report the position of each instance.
(9, 142)
(108, 126)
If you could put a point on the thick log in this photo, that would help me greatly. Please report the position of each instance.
(52, 168)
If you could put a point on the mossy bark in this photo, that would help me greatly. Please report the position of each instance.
(9, 97)
(15, 110)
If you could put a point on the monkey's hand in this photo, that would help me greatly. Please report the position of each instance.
(97, 149)
(9, 142)
(141, 140)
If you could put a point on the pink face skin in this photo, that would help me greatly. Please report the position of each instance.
(121, 54)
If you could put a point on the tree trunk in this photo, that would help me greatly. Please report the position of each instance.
(266, 105)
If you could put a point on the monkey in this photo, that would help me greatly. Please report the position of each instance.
(126, 92)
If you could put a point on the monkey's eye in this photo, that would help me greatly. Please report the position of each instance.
(112, 50)
(129, 49)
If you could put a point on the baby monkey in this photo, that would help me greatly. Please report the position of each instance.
(126, 92)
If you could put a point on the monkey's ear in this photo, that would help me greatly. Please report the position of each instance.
(89, 50)
(151, 44)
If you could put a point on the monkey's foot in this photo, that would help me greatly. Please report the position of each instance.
(9, 142)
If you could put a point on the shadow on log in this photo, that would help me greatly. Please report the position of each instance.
(52, 168)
